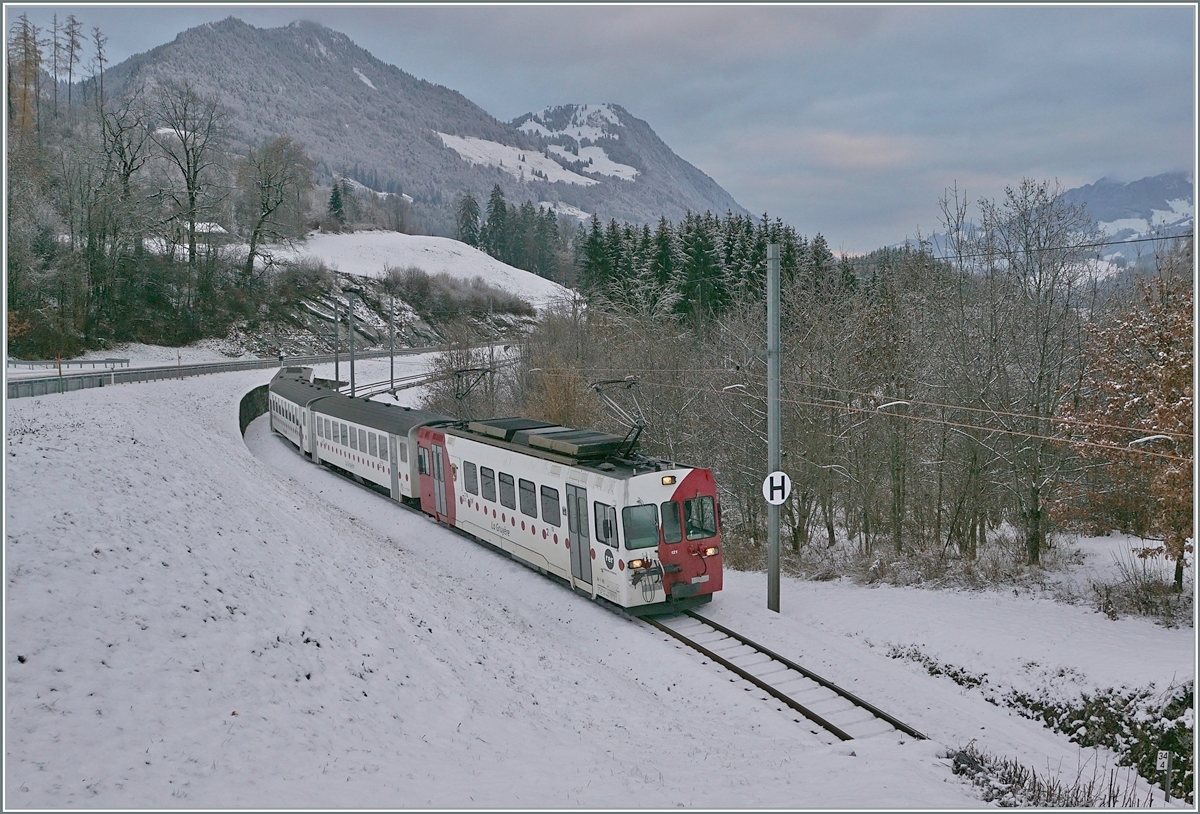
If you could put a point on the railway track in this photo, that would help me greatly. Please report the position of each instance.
(839, 712)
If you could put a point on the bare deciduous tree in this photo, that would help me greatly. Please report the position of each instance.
(274, 181)
(191, 133)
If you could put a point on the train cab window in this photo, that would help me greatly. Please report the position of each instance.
(528, 494)
(700, 517)
(362, 441)
(671, 527)
(641, 525)
(353, 438)
(471, 477)
(373, 440)
(487, 483)
(422, 461)
(606, 524)
(551, 512)
(508, 491)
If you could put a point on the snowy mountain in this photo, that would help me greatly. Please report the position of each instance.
(360, 117)
(1159, 205)
(607, 144)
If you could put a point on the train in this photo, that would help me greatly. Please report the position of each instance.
(581, 506)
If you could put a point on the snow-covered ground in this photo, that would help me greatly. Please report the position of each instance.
(196, 620)
(368, 253)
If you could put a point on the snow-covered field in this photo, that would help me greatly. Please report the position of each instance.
(368, 253)
(196, 620)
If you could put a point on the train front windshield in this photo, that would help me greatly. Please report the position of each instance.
(641, 526)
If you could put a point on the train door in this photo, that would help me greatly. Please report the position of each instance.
(437, 492)
(439, 480)
(578, 535)
(395, 468)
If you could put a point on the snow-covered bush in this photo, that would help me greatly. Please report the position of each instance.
(1010, 784)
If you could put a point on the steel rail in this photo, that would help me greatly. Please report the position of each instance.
(849, 696)
(755, 680)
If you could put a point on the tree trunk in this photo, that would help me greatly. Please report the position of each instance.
(1034, 533)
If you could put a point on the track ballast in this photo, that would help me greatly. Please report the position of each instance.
(822, 702)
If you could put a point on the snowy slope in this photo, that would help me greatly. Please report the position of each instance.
(194, 623)
(369, 253)
(521, 163)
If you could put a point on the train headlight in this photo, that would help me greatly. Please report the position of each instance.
(712, 551)
(638, 563)
(668, 480)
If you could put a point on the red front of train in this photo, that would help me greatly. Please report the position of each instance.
(686, 563)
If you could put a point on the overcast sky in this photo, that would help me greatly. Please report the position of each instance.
(845, 120)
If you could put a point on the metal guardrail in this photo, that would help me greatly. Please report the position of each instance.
(80, 363)
(23, 388)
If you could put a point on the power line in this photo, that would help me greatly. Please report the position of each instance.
(1064, 248)
(1171, 434)
(924, 419)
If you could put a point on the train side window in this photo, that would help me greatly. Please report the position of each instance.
(373, 439)
(320, 427)
(342, 432)
(606, 524)
(471, 477)
(422, 461)
(328, 428)
(700, 517)
(641, 525)
(551, 511)
(528, 494)
(383, 447)
(487, 483)
(404, 452)
(672, 530)
(508, 491)
(362, 441)
(353, 438)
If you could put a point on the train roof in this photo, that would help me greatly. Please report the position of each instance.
(586, 449)
(379, 415)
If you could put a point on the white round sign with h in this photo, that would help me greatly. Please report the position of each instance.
(777, 488)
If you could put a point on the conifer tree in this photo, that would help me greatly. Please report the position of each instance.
(337, 209)
(468, 220)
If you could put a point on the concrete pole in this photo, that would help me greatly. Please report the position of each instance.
(350, 327)
(774, 424)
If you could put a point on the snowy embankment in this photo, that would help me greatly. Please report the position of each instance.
(195, 620)
(367, 254)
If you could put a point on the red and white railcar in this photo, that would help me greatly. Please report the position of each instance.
(641, 533)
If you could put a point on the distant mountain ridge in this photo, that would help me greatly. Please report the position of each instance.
(1159, 205)
(1151, 207)
(361, 117)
